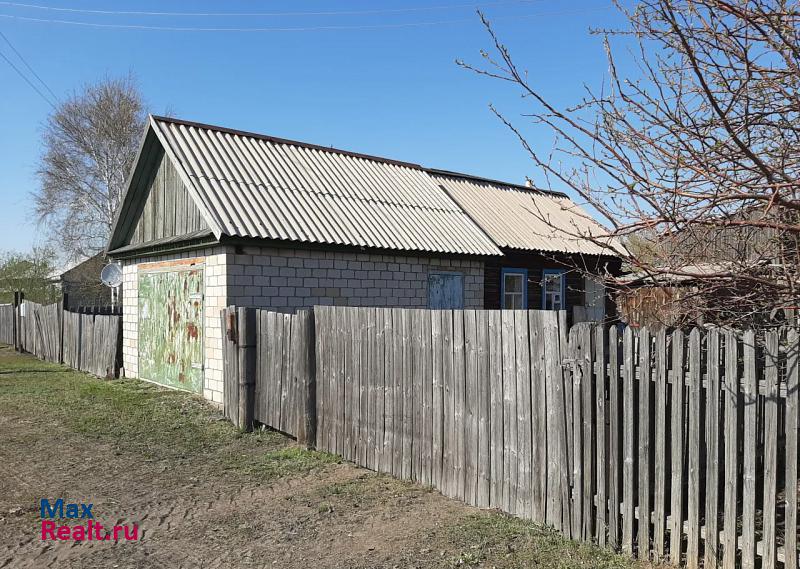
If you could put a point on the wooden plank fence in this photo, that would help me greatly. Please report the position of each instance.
(40, 330)
(279, 348)
(673, 446)
(86, 342)
(7, 314)
(91, 343)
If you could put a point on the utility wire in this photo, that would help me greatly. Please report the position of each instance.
(293, 29)
(24, 61)
(266, 14)
(28, 81)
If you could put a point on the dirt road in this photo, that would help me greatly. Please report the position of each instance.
(204, 496)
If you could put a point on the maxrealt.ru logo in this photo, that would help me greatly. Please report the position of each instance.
(88, 529)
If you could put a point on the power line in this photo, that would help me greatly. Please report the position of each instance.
(267, 14)
(28, 81)
(24, 61)
(293, 29)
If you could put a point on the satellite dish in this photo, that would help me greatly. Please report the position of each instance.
(111, 275)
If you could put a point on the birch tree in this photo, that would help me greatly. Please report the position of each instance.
(89, 145)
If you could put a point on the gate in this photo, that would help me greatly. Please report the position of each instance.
(171, 326)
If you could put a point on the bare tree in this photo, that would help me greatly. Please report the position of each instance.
(695, 155)
(90, 143)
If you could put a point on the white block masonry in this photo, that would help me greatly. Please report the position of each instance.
(215, 298)
(288, 279)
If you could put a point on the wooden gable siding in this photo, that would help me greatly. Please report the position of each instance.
(535, 263)
(168, 210)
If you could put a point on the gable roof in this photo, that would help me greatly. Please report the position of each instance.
(512, 215)
(248, 185)
(251, 185)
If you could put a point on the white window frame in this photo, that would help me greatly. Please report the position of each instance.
(562, 294)
(523, 294)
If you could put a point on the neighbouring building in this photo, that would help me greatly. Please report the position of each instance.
(214, 217)
(717, 272)
(80, 284)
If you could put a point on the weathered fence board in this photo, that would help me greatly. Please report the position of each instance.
(628, 469)
(676, 463)
(614, 437)
(7, 325)
(660, 456)
(669, 445)
(644, 444)
(750, 456)
(285, 358)
(713, 453)
(86, 342)
(729, 545)
(792, 408)
(41, 331)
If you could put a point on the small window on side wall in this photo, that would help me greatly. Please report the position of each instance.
(514, 289)
(553, 293)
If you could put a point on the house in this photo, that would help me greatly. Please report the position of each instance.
(541, 268)
(214, 217)
(80, 283)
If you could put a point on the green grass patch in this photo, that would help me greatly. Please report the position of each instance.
(133, 416)
(498, 540)
(281, 462)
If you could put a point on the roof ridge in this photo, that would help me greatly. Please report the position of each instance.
(334, 150)
(279, 140)
(535, 190)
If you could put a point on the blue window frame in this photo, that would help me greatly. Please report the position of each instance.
(514, 289)
(553, 290)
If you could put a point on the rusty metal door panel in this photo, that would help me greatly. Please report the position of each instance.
(171, 327)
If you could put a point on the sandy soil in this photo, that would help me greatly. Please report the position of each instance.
(339, 516)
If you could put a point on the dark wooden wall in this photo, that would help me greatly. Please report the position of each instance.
(168, 211)
(535, 263)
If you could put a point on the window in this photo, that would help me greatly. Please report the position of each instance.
(514, 289)
(445, 290)
(553, 289)
(594, 298)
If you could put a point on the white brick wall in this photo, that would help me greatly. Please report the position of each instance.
(287, 279)
(215, 260)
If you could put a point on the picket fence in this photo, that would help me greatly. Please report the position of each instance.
(672, 446)
(86, 342)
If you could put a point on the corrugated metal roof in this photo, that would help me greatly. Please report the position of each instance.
(250, 185)
(513, 216)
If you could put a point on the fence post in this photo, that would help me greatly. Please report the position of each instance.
(61, 306)
(307, 433)
(230, 365)
(14, 321)
(20, 328)
(247, 366)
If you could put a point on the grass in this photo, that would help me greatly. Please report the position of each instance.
(175, 428)
(504, 542)
(136, 417)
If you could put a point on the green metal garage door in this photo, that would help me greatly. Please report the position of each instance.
(171, 327)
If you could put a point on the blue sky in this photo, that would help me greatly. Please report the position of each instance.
(382, 83)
